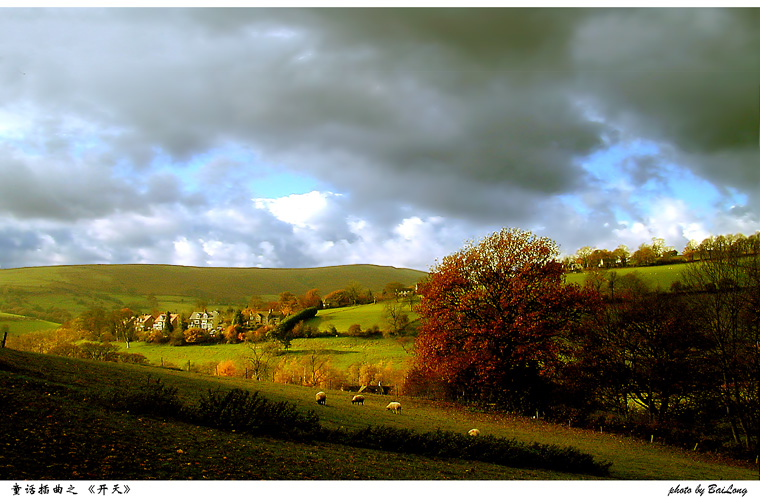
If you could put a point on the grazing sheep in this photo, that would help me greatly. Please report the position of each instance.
(394, 407)
(358, 399)
(321, 398)
(474, 432)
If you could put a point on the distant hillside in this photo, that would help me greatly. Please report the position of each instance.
(77, 287)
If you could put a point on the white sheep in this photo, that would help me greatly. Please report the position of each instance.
(321, 398)
(394, 407)
(358, 399)
(474, 432)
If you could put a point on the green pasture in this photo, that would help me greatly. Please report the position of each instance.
(342, 352)
(365, 315)
(660, 276)
(18, 324)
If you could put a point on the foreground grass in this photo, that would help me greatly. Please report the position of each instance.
(48, 431)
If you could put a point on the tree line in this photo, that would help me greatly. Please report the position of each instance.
(654, 253)
(500, 326)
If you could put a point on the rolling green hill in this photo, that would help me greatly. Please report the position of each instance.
(74, 288)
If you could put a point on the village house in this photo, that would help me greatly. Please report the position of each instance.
(208, 321)
(258, 319)
(144, 322)
(160, 322)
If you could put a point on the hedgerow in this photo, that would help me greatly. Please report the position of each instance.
(446, 444)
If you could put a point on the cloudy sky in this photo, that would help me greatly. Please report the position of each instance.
(308, 137)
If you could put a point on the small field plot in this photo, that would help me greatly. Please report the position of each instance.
(659, 276)
(364, 315)
(19, 325)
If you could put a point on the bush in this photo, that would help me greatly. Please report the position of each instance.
(131, 358)
(152, 397)
(196, 336)
(355, 330)
(226, 368)
(251, 413)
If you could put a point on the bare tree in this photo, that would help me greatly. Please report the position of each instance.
(395, 317)
(316, 368)
(260, 359)
(726, 284)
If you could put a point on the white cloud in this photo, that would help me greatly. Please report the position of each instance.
(670, 219)
(300, 210)
(187, 253)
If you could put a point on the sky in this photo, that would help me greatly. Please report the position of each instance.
(305, 137)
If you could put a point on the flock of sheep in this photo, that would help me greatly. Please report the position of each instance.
(394, 407)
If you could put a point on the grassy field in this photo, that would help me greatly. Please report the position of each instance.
(18, 324)
(42, 386)
(660, 276)
(49, 430)
(342, 352)
(364, 315)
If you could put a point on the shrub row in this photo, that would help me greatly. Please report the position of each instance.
(446, 444)
(97, 351)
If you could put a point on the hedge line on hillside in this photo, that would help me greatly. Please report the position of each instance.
(447, 444)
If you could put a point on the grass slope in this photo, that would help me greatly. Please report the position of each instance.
(77, 287)
(50, 430)
(19, 324)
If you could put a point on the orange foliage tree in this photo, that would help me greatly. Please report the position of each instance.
(494, 315)
(226, 368)
(310, 299)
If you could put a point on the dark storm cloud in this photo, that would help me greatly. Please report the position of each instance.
(688, 77)
(483, 116)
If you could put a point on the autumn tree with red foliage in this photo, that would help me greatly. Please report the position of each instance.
(494, 315)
